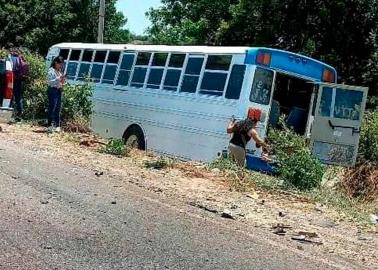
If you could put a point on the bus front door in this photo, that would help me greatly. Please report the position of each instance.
(335, 131)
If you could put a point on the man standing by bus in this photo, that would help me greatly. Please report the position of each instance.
(242, 132)
(20, 70)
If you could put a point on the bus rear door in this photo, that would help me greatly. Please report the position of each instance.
(335, 131)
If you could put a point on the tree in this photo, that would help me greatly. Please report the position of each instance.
(335, 31)
(38, 24)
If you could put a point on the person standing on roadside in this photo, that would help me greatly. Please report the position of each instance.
(242, 132)
(20, 69)
(56, 80)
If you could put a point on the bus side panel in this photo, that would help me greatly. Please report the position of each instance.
(191, 127)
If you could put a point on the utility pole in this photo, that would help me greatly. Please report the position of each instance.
(101, 22)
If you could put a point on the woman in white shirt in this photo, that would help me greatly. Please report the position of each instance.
(56, 80)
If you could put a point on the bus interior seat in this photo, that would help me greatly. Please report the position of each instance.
(275, 113)
(297, 119)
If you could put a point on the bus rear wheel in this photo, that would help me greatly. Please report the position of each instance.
(134, 138)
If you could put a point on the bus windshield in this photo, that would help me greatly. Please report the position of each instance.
(262, 86)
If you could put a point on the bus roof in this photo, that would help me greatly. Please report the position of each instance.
(162, 48)
(281, 60)
(292, 63)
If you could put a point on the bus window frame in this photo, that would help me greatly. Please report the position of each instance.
(227, 72)
(141, 66)
(119, 69)
(181, 69)
(117, 65)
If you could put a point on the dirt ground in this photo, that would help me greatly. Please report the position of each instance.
(311, 224)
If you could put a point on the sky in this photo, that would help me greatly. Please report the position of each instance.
(135, 11)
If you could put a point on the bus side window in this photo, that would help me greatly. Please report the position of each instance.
(173, 75)
(215, 75)
(157, 70)
(64, 53)
(85, 64)
(73, 63)
(125, 69)
(98, 65)
(192, 74)
(140, 69)
(235, 83)
(111, 67)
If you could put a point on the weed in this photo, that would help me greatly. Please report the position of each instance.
(296, 164)
(239, 179)
(159, 164)
(115, 147)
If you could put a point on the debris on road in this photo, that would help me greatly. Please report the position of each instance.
(374, 219)
(44, 201)
(113, 202)
(307, 237)
(98, 174)
(204, 207)
(227, 214)
(280, 229)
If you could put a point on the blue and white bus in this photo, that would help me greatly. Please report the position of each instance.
(177, 100)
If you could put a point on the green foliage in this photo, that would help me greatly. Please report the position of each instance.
(297, 166)
(115, 147)
(39, 24)
(77, 101)
(3, 54)
(35, 88)
(341, 33)
(159, 163)
(368, 150)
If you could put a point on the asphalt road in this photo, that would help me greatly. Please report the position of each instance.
(54, 215)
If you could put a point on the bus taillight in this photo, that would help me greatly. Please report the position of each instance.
(328, 76)
(8, 85)
(263, 58)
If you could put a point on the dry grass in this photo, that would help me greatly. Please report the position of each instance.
(361, 182)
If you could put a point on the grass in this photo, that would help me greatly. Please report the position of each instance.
(159, 163)
(334, 198)
(115, 147)
(348, 209)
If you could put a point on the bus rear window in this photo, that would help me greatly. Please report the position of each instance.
(348, 104)
(262, 86)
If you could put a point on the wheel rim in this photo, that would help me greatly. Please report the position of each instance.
(132, 142)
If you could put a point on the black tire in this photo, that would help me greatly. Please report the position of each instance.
(134, 138)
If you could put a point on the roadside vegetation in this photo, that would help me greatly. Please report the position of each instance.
(77, 103)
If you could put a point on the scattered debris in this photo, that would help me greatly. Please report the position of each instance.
(98, 174)
(307, 237)
(206, 208)
(308, 234)
(1, 129)
(227, 214)
(304, 239)
(113, 202)
(90, 142)
(281, 214)
(254, 196)
(280, 229)
(44, 201)
(374, 219)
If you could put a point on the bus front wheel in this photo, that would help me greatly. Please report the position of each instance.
(134, 138)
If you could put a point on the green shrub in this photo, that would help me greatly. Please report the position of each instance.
(159, 163)
(115, 147)
(368, 149)
(77, 99)
(296, 164)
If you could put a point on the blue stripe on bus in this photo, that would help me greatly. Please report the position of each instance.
(292, 63)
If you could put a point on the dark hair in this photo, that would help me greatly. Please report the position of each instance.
(57, 60)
